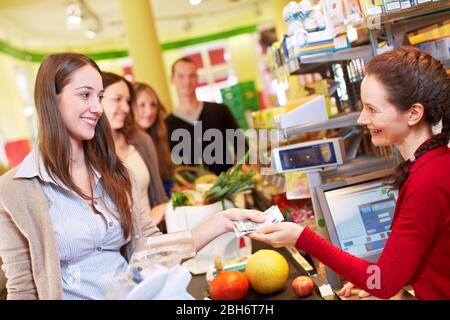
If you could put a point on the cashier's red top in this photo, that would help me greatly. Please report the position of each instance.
(417, 251)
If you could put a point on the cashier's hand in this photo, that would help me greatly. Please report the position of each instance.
(279, 235)
(228, 216)
(349, 289)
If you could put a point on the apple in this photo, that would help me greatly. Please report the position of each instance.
(302, 286)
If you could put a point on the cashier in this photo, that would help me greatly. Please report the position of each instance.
(405, 93)
(70, 214)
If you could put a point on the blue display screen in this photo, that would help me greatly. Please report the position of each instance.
(377, 216)
(309, 156)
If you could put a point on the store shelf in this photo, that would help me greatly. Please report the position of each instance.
(402, 21)
(363, 52)
(296, 69)
(398, 24)
(416, 12)
(348, 120)
(309, 63)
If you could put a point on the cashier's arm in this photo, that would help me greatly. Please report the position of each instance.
(221, 223)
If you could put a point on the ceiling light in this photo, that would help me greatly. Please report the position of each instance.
(73, 16)
(28, 111)
(73, 22)
(81, 17)
(90, 34)
(195, 2)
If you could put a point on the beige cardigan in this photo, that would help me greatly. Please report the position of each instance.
(146, 149)
(28, 244)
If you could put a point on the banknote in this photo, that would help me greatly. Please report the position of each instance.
(243, 227)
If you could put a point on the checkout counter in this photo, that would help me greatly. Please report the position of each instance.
(199, 286)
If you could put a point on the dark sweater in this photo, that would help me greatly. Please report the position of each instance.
(213, 116)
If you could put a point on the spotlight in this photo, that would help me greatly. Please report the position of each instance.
(195, 2)
(74, 16)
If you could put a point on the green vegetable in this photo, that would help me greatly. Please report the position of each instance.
(230, 184)
(179, 199)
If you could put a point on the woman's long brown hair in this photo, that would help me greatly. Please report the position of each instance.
(158, 132)
(54, 144)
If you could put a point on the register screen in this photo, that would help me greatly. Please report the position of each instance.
(362, 216)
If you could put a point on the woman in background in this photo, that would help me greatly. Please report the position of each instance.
(150, 113)
(133, 146)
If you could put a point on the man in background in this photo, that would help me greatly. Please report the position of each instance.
(192, 114)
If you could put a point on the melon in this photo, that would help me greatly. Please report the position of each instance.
(267, 271)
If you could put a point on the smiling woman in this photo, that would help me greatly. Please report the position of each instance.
(85, 107)
(67, 95)
(70, 213)
(150, 114)
(405, 93)
(134, 147)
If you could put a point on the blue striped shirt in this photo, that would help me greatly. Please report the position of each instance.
(88, 243)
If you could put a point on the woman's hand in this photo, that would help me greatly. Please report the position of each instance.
(349, 289)
(279, 235)
(221, 223)
(225, 219)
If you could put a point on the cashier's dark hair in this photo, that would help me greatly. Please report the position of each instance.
(54, 75)
(411, 76)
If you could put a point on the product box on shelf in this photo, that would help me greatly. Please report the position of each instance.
(423, 1)
(353, 11)
(406, 4)
(439, 49)
(339, 43)
(314, 27)
(391, 5)
(335, 13)
(372, 7)
(432, 33)
(302, 111)
(266, 119)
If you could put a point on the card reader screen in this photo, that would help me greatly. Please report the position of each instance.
(309, 156)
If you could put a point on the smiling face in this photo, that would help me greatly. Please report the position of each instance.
(79, 103)
(386, 123)
(116, 104)
(147, 109)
